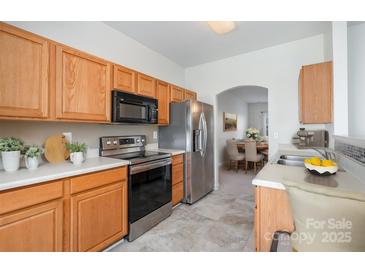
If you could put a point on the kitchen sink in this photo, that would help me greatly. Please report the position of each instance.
(294, 157)
(290, 162)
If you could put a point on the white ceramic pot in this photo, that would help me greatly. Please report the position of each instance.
(77, 158)
(31, 162)
(11, 160)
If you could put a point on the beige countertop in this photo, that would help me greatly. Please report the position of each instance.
(173, 152)
(48, 172)
(273, 175)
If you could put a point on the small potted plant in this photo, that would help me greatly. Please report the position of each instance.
(10, 148)
(76, 152)
(32, 154)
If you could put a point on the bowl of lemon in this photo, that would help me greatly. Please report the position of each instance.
(320, 167)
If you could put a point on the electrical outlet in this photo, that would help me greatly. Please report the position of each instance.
(155, 134)
(276, 135)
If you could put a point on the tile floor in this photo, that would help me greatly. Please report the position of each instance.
(221, 221)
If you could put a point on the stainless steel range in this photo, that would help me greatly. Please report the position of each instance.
(149, 181)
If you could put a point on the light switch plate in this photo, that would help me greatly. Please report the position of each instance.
(155, 134)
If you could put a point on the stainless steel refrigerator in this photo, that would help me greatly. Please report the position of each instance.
(191, 129)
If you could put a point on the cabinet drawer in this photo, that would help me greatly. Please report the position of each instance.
(85, 182)
(11, 200)
(177, 173)
(177, 193)
(177, 159)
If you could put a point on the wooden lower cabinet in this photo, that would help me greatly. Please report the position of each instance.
(38, 228)
(272, 213)
(82, 213)
(177, 179)
(98, 217)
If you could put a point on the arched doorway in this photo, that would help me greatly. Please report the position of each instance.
(250, 105)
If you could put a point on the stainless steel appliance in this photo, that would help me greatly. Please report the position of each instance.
(130, 108)
(149, 181)
(311, 138)
(191, 129)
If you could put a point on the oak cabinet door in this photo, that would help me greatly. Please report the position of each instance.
(124, 79)
(176, 94)
(82, 86)
(177, 193)
(163, 97)
(315, 93)
(177, 179)
(146, 85)
(272, 213)
(23, 74)
(98, 217)
(37, 228)
(189, 95)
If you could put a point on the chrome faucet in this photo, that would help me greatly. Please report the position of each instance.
(329, 155)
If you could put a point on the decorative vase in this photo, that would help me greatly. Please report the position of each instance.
(11, 160)
(31, 162)
(77, 158)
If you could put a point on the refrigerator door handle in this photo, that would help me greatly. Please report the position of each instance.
(205, 134)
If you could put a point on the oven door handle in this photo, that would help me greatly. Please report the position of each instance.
(148, 166)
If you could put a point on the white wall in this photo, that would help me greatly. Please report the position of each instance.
(228, 102)
(340, 82)
(356, 80)
(34, 132)
(276, 68)
(255, 116)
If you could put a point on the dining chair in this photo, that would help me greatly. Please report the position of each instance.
(325, 218)
(251, 155)
(233, 154)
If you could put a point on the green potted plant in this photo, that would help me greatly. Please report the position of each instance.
(32, 154)
(10, 148)
(76, 152)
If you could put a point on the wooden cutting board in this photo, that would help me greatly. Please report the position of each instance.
(55, 149)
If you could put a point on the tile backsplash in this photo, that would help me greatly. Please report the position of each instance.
(351, 148)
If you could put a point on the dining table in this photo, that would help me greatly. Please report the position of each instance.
(261, 146)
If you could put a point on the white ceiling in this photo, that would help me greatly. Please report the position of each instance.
(193, 43)
(248, 94)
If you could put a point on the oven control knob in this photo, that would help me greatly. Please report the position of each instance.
(138, 140)
(108, 143)
(115, 142)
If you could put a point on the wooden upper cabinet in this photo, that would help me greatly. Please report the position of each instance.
(146, 85)
(176, 94)
(189, 95)
(163, 97)
(23, 74)
(82, 86)
(315, 94)
(124, 79)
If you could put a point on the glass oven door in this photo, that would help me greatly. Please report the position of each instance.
(150, 187)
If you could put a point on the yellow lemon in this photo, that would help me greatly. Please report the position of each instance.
(315, 161)
(307, 161)
(327, 163)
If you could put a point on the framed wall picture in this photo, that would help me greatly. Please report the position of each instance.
(229, 121)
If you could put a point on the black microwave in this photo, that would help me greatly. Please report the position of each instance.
(130, 108)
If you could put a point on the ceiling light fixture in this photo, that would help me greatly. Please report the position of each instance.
(221, 27)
